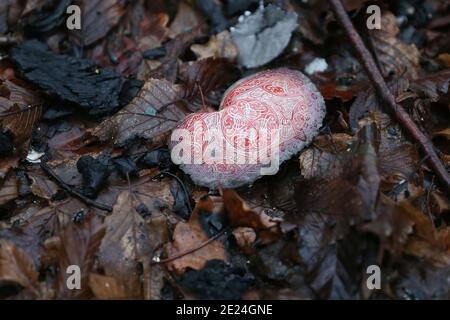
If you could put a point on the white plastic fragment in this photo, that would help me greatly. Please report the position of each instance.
(317, 65)
(34, 156)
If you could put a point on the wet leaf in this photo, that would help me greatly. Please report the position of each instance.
(432, 86)
(79, 245)
(128, 239)
(134, 122)
(239, 214)
(105, 287)
(98, 18)
(220, 45)
(392, 226)
(395, 56)
(262, 36)
(16, 266)
(189, 236)
(207, 75)
(9, 189)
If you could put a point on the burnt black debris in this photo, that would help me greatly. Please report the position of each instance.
(72, 80)
(157, 158)
(143, 211)
(217, 280)
(6, 146)
(126, 166)
(46, 18)
(95, 174)
(154, 53)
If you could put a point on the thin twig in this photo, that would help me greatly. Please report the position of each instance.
(49, 171)
(184, 253)
(385, 94)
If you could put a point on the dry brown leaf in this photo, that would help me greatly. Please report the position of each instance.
(105, 287)
(190, 235)
(427, 242)
(16, 266)
(392, 225)
(20, 110)
(241, 215)
(394, 55)
(42, 186)
(326, 157)
(51, 220)
(220, 45)
(21, 122)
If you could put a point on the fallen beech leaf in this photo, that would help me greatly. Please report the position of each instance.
(396, 154)
(421, 281)
(16, 266)
(151, 115)
(98, 18)
(128, 238)
(427, 242)
(189, 236)
(368, 101)
(330, 254)
(213, 10)
(79, 245)
(22, 109)
(154, 275)
(51, 220)
(392, 225)
(394, 55)
(327, 157)
(432, 86)
(351, 188)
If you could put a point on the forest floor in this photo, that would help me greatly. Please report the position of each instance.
(86, 177)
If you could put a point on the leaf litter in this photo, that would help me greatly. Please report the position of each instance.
(94, 109)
